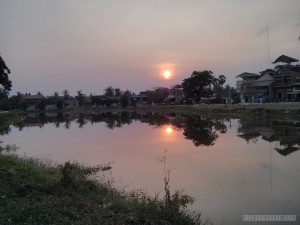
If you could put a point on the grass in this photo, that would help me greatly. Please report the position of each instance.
(32, 192)
(236, 111)
(8, 118)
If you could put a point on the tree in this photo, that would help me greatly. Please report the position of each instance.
(4, 105)
(124, 100)
(158, 95)
(118, 92)
(198, 85)
(221, 80)
(232, 94)
(41, 104)
(4, 80)
(80, 97)
(59, 103)
(218, 88)
(14, 101)
(109, 91)
(66, 94)
(39, 93)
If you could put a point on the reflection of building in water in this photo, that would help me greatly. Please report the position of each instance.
(286, 135)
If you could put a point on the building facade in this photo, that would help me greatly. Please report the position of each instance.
(279, 85)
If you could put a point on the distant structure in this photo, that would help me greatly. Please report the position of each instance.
(286, 79)
(280, 84)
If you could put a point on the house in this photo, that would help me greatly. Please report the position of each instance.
(176, 95)
(280, 84)
(246, 86)
(104, 101)
(286, 85)
(264, 88)
(141, 99)
(32, 100)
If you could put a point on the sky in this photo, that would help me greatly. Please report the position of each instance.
(53, 45)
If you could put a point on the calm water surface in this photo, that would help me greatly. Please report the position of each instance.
(231, 167)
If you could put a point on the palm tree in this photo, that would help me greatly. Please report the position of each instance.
(66, 94)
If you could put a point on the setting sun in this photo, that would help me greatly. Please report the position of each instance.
(169, 130)
(167, 74)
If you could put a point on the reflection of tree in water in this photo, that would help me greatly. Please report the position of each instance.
(220, 126)
(112, 120)
(59, 119)
(5, 130)
(200, 131)
(157, 120)
(81, 121)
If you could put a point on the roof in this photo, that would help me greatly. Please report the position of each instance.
(285, 59)
(247, 74)
(266, 77)
(269, 71)
(264, 80)
(33, 97)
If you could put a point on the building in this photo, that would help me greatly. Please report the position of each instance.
(286, 85)
(280, 84)
(176, 95)
(246, 86)
(32, 101)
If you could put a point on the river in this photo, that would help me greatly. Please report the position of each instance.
(231, 167)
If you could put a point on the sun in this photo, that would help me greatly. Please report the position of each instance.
(167, 74)
(169, 130)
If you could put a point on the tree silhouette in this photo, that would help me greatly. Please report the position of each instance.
(109, 91)
(218, 88)
(66, 94)
(4, 80)
(80, 97)
(200, 131)
(198, 85)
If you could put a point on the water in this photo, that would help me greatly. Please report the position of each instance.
(231, 167)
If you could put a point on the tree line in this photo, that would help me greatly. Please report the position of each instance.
(201, 84)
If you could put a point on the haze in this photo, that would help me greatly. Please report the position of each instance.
(88, 45)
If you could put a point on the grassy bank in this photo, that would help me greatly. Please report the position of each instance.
(259, 111)
(32, 192)
(273, 111)
(7, 118)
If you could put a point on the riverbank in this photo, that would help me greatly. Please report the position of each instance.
(270, 111)
(273, 111)
(32, 192)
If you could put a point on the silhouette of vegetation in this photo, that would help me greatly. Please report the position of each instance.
(200, 131)
(4, 79)
(41, 104)
(158, 95)
(80, 97)
(198, 85)
(218, 88)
